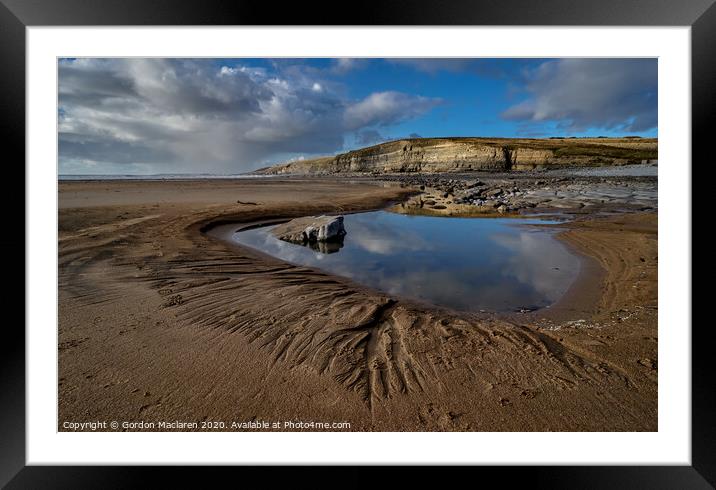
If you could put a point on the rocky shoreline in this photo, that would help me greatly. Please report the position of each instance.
(466, 194)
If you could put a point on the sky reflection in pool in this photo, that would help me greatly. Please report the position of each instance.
(469, 264)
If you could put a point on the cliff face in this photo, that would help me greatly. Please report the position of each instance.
(466, 154)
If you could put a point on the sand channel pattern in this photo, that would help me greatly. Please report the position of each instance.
(292, 342)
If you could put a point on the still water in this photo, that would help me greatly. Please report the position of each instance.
(470, 264)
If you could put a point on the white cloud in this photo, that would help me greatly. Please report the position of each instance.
(344, 65)
(615, 94)
(384, 108)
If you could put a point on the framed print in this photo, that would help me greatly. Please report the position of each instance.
(440, 235)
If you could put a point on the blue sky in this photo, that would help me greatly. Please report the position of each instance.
(141, 116)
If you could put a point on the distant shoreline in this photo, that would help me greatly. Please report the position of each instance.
(155, 177)
(634, 170)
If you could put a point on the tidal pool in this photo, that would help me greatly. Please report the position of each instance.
(469, 264)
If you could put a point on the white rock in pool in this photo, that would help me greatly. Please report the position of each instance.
(311, 229)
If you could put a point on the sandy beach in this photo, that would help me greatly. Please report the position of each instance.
(161, 320)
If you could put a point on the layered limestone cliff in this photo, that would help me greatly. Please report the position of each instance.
(466, 154)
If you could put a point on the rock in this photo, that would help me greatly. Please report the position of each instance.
(174, 300)
(311, 229)
(649, 363)
(502, 209)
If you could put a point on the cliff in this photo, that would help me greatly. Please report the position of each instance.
(484, 154)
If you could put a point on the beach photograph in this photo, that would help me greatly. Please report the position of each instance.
(357, 244)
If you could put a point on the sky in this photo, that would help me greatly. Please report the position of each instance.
(119, 116)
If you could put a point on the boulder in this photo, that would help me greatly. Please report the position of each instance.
(311, 229)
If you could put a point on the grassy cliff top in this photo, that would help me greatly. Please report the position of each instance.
(555, 143)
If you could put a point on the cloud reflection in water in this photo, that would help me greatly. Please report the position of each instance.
(461, 263)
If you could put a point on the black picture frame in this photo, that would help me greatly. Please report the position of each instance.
(16, 15)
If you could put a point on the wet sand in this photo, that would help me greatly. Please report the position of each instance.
(159, 321)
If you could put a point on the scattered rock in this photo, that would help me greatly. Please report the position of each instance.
(174, 300)
(648, 363)
(517, 193)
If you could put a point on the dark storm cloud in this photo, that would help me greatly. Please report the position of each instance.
(202, 116)
(80, 148)
(577, 94)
